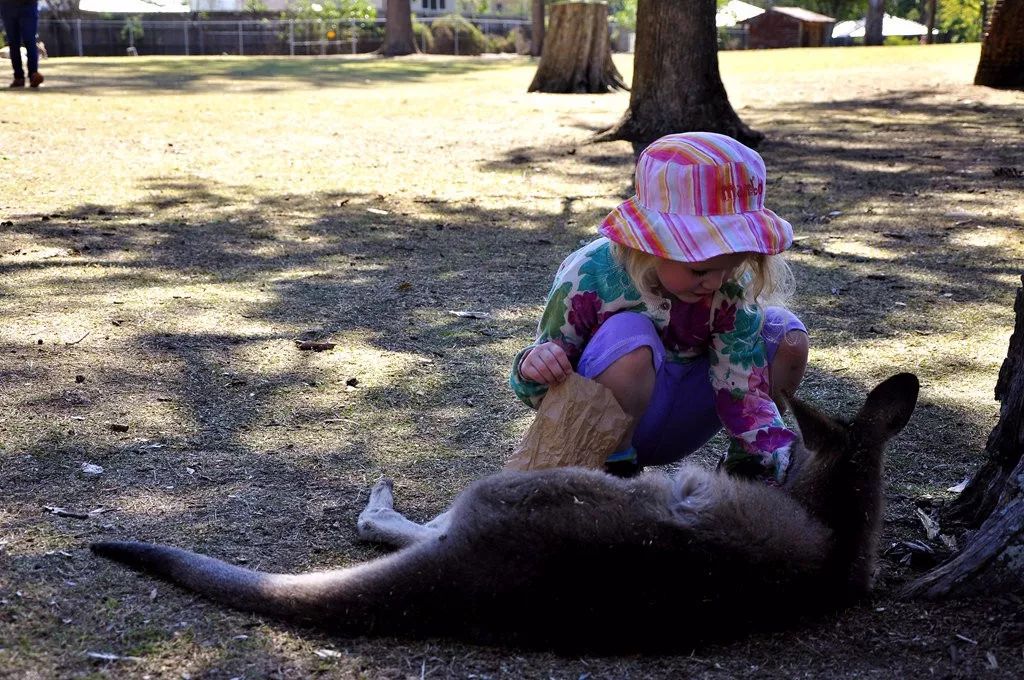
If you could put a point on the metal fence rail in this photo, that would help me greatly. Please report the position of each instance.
(114, 37)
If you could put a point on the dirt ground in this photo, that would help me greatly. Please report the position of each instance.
(170, 228)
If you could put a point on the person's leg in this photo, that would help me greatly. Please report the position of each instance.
(29, 25)
(12, 27)
(682, 416)
(624, 356)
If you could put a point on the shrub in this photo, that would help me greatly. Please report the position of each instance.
(501, 43)
(471, 40)
(423, 37)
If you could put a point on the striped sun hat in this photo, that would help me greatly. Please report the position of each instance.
(698, 195)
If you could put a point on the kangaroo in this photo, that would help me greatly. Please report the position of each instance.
(575, 559)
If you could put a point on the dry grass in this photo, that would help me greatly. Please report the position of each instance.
(175, 224)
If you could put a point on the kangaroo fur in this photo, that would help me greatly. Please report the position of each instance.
(574, 559)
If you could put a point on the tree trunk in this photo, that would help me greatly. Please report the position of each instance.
(577, 56)
(676, 84)
(398, 37)
(993, 559)
(873, 22)
(930, 22)
(536, 27)
(1002, 48)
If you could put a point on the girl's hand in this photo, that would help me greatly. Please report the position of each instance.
(546, 364)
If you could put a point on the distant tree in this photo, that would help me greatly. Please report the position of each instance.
(536, 27)
(399, 39)
(873, 22)
(1002, 49)
(676, 83)
(929, 22)
(577, 55)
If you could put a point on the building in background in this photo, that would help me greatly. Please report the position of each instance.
(788, 27)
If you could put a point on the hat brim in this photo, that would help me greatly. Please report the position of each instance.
(696, 238)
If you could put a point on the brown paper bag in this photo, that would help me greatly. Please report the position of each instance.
(579, 423)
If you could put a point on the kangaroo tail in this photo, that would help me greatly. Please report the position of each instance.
(394, 593)
(310, 596)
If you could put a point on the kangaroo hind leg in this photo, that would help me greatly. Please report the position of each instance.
(379, 522)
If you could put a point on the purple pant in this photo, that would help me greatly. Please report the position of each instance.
(681, 416)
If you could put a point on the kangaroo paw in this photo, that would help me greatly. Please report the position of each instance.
(382, 495)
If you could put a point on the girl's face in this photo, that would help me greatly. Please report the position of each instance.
(692, 281)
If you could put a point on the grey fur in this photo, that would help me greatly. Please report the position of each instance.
(573, 559)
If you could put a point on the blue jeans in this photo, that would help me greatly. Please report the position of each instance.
(21, 22)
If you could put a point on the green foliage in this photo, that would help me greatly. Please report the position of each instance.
(471, 40)
(960, 20)
(332, 17)
(132, 29)
(901, 40)
(501, 43)
(331, 10)
(423, 37)
(255, 6)
(623, 12)
(472, 6)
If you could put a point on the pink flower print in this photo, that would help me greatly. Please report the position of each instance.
(757, 381)
(725, 318)
(688, 326)
(744, 413)
(583, 315)
(773, 439)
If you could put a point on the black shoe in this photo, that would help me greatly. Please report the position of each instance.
(624, 468)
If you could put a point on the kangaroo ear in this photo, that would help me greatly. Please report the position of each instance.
(888, 408)
(819, 432)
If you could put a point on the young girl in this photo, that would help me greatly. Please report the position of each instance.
(669, 311)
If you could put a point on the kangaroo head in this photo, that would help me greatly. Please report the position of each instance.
(837, 472)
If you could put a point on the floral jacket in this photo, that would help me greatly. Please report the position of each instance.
(591, 285)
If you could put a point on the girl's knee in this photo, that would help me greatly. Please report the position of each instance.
(635, 362)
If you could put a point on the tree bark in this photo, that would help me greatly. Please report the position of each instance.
(398, 36)
(577, 55)
(1002, 49)
(676, 83)
(536, 27)
(873, 22)
(993, 559)
(930, 22)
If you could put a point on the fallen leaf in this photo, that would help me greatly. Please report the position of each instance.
(469, 314)
(328, 653)
(90, 469)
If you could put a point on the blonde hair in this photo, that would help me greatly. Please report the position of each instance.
(765, 279)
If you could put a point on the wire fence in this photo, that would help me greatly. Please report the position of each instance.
(112, 37)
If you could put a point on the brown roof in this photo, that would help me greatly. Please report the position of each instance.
(803, 14)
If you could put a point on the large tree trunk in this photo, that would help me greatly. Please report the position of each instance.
(676, 84)
(1002, 48)
(873, 22)
(577, 54)
(993, 559)
(398, 37)
(536, 27)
